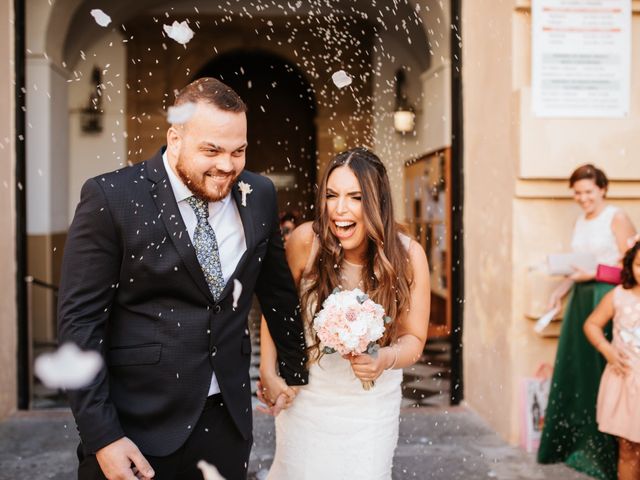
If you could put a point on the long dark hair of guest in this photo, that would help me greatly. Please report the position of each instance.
(386, 274)
(627, 278)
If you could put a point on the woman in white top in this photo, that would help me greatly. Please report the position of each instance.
(570, 431)
(335, 428)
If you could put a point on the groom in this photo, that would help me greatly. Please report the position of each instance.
(160, 265)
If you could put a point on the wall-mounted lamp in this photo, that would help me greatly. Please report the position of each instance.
(91, 115)
(404, 118)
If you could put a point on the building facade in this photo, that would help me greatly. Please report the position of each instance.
(508, 166)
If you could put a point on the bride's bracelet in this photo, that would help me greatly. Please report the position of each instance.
(395, 357)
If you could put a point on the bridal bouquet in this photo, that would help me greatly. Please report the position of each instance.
(350, 323)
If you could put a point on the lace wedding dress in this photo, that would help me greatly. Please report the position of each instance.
(335, 429)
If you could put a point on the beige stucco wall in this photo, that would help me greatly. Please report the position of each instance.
(8, 372)
(489, 173)
(93, 154)
(613, 142)
(514, 218)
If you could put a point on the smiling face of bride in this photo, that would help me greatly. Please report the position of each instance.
(355, 223)
(343, 201)
(355, 212)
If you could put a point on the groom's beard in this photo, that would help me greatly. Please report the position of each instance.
(197, 182)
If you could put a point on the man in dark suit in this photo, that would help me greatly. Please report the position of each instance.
(151, 262)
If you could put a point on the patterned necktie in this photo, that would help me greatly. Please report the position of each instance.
(206, 245)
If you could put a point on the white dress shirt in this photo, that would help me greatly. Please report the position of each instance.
(225, 220)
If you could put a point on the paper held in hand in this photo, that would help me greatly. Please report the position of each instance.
(566, 263)
(545, 320)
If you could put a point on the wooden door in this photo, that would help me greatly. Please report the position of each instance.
(428, 211)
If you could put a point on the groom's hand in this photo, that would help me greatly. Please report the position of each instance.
(116, 461)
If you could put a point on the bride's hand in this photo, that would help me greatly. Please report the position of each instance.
(280, 404)
(273, 385)
(367, 367)
(274, 393)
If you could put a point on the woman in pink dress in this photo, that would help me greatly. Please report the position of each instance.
(618, 411)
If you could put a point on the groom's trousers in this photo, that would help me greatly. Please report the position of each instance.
(215, 439)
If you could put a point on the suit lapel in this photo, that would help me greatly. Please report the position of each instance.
(246, 216)
(165, 201)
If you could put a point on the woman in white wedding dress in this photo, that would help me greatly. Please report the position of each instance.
(333, 427)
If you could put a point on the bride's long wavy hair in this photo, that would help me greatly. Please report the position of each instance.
(386, 274)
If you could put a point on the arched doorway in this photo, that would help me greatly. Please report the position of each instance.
(281, 126)
(146, 68)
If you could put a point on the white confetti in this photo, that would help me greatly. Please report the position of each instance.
(262, 474)
(68, 367)
(209, 472)
(341, 79)
(100, 17)
(180, 114)
(237, 291)
(180, 32)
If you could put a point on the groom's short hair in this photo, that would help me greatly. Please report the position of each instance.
(212, 91)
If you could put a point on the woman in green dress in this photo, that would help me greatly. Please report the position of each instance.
(570, 432)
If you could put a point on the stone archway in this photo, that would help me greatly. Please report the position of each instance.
(143, 68)
(281, 121)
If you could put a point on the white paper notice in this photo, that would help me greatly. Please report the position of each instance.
(566, 263)
(581, 58)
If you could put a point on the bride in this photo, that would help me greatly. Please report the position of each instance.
(334, 428)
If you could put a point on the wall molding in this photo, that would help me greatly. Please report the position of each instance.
(525, 5)
(559, 188)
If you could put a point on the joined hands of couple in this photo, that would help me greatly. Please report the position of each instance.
(123, 460)
(276, 395)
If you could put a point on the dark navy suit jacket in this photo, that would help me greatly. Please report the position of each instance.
(132, 288)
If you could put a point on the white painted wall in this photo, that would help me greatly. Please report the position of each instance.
(8, 185)
(47, 22)
(428, 92)
(93, 154)
(38, 15)
(59, 157)
(46, 146)
(394, 148)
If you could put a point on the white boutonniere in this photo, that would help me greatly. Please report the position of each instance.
(245, 189)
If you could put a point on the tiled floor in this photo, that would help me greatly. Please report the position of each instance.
(427, 383)
(450, 443)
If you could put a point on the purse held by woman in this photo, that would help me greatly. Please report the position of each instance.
(608, 274)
